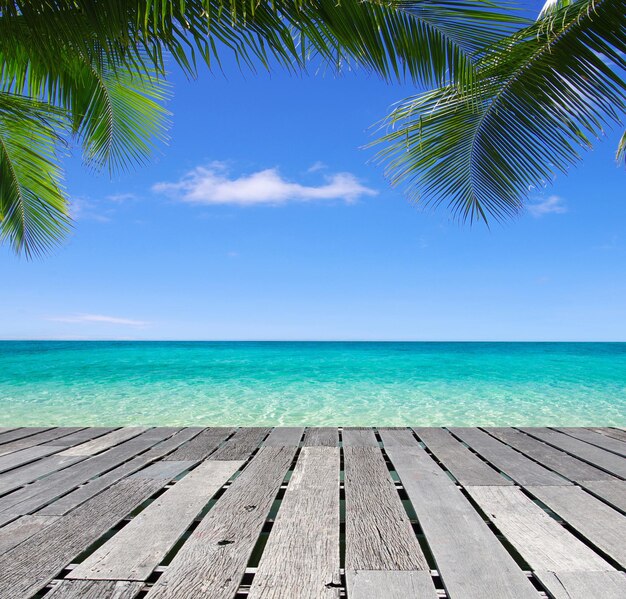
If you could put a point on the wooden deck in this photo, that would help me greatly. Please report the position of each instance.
(294, 513)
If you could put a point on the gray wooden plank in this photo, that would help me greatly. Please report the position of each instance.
(584, 585)
(241, 444)
(614, 433)
(589, 453)
(6, 429)
(202, 445)
(301, 558)
(21, 529)
(472, 562)
(134, 552)
(24, 456)
(611, 491)
(214, 557)
(68, 502)
(95, 589)
(86, 434)
(598, 439)
(464, 465)
(318, 436)
(51, 437)
(45, 490)
(379, 535)
(596, 521)
(13, 479)
(539, 539)
(512, 463)
(359, 437)
(27, 568)
(284, 437)
(105, 442)
(551, 457)
(382, 584)
(20, 433)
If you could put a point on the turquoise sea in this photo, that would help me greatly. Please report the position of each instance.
(276, 383)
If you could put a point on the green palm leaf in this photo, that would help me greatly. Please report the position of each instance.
(541, 98)
(621, 150)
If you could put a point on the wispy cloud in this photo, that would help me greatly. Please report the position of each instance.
(317, 166)
(120, 198)
(84, 209)
(213, 185)
(98, 318)
(550, 205)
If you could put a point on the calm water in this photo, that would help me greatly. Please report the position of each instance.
(101, 383)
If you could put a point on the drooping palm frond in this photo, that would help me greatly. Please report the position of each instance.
(542, 96)
(33, 208)
(621, 150)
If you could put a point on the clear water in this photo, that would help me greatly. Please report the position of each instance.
(424, 384)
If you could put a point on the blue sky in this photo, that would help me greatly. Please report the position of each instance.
(262, 219)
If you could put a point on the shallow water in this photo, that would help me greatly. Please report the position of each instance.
(358, 384)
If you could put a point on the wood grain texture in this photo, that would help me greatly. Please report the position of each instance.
(25, 456)
(585, 451)
(201, 445)
(512, 463)
(81, 436)
(555, 459)
(383, 584)
(589, 436)
(301, 558)
(21, 529)
(596, 521)
(134, 552)
(615, 433)
(359, 437)
(464, 465)
(472, 562)
(379, 535)
(95, 589)
(284, 436)
(318, 436)
(539, 539)
(612, 492)
(105, 442)
(241, 444)
(18, 477)
(49, 437)
(20, 433)
(584, 585)
(213, 559)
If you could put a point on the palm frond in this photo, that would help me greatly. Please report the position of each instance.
(620, 156)
(33, 207)
(541, 98)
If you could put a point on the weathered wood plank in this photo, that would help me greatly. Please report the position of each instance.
(105, 442)
(95, 589)
(25, 456)
(472, 562)
(317, 436)
(20, 433)
(615, 433)
(379, 584)
(21, 529)
(81, 436)
(241, 444)
(213, 559)
(134, 552)
(594, 438)
(201, 445)
(301, 558)
(611, 491)
(597, 522)
(379, 535)
(589, 453)
(539, 539)
(464, 465)
(32, 564)
(512, 463)
(284, 437)
(555, 459)
(75, 498)
(45, 490)
(359, 437)
(584, 585)
(51, 437)
(13, 479)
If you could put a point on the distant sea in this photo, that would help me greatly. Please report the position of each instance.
(335, 384)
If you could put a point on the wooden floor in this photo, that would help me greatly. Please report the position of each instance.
(97, 513)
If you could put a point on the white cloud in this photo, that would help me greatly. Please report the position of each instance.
(120, 198)
(317, 166)
(213, 185)
(550, 205)
(99, 318)
(84, 209)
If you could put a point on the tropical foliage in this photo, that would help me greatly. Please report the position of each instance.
(91, 73)
(540, 97)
